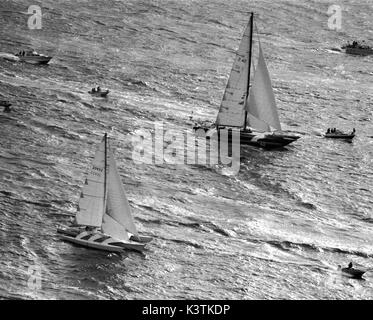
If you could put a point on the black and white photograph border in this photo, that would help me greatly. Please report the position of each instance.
(186, 150)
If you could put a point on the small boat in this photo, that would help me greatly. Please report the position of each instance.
(359, 49)
(347, 136)
(352, 272)
(33, 57)
(340, 135)
(5, 103)
(103, 218)
(99, 93)
(251, 109)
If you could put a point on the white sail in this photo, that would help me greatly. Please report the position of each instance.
(257, 124)
(231, 112)
(91, 203)
(261, 106)
(118, 219)
(113, 228)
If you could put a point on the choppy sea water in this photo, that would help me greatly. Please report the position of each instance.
(278, 229)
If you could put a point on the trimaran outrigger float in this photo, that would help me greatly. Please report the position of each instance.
(252, 106)
(103, 219)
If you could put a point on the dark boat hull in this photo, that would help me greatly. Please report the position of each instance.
(269, 141)
(353, 273)
(101, 94)
(360, 51)
(35, 59)
(340, 136)
(265, 141)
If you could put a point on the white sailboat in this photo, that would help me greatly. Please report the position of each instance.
(103, 219)
(250, 108)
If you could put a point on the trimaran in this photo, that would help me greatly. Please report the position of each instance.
(245, 105)
(103, 219)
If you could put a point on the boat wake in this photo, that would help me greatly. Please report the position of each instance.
(307, 205)
(289, 245)
(188, 243)
(334, 50)
(207, 226)
(9, 57)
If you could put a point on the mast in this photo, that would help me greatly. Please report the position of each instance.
(250, 52)
(105, 172)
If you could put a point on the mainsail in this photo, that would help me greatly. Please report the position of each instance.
(91, 203)
(117, 221)
(261, 106)
(231, 112)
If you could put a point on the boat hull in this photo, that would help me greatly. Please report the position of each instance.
(99, 241)
(269, 141)
(35, 59)
(99, 94)
(353, 273)
(359, 51)
(248, 138)
(92, 245)
(340, 136)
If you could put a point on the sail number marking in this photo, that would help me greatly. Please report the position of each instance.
(96, 171)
